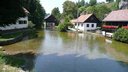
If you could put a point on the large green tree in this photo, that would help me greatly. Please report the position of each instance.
(80, 3)
(70, 9)
(99, 10)
(109, 1)
(93, 2)
(10, 11)
(37, 12)
(102, 10)
(56, 13)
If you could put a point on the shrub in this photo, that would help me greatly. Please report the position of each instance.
(121, 35)
(64, 26)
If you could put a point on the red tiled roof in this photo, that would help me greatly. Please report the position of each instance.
(81, 19)
(119, 15)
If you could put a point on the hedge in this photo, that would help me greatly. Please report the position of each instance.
(121, 35)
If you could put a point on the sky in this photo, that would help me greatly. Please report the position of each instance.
(50, 4)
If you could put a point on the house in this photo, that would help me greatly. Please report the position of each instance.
(114, 20)
(21, 22)
(86, 22)
(50, 21)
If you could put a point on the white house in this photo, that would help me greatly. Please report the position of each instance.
(21, 22)
(86, 22)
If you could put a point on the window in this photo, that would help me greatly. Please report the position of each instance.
(22, 22)
(25, 22)
(87, 25)
(92, 25)
(82, 25)
(78, 24)
(75, 24)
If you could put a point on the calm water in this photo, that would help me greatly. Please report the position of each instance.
(72, 52)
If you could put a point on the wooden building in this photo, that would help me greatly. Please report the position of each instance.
(115, 20)
(50, 21)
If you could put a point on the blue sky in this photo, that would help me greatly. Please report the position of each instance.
(50, 4)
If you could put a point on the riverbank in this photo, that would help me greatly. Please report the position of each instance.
(11, 37)
(20, 62)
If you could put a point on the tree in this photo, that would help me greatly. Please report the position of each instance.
(118, 1)
(102, 10)
(109, 1)
(93, 2)
(80, 3)
(99, 10)
(91, 9)
(37, 12)
(56, 13)
(114, 6)
(70, 9)
(63, 27)
(38, 16)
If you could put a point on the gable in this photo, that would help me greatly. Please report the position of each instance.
(51, 18)
(93, 19)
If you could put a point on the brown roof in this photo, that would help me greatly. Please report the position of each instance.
(119, 15)
(81, 19)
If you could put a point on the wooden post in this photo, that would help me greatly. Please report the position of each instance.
(105, 33)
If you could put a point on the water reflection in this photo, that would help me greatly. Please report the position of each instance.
(72, 52)
(73, 63)
(32, 45)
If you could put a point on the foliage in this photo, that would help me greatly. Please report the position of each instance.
(69, 9)
(56, 13)
(91, 9)
(30, 24)
(10, 10)
(121, 35)
(101, 11)
(115, 6)
(12, 35)
(37, 13)
(118, 1)
(109, 1)
(83, 8)
(93, 2)
(63, 27)
(80, 3)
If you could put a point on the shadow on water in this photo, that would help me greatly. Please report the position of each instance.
(24, 61)
(74, 63)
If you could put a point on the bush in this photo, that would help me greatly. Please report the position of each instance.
(63, 27)
(121, 35)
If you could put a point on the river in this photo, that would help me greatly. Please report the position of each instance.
(74, 52)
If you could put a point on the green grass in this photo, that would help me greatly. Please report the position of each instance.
(2, 39)
(12, 35)
(11, 60)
